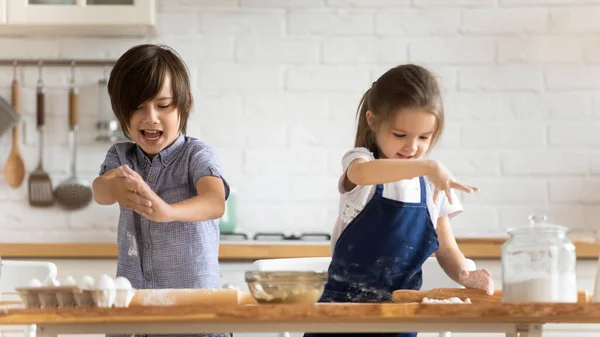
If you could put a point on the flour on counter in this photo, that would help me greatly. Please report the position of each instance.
(451, 300)
(159, 297)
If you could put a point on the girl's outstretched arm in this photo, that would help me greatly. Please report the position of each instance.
(452, 260)
(381, 171)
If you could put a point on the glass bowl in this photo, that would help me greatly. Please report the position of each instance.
(286, 287)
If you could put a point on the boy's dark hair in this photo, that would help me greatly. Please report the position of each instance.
(405, 86)
(138, 76)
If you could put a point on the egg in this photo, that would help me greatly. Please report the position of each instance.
(124, 292)
(105, 282)
(86, 282)
(34, 283)
(69, 281)
(122, 283)
(104, 294)
(51, 282)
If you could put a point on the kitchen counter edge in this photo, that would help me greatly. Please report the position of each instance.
(474, 248)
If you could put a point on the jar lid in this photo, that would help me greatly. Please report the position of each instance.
(538, 223)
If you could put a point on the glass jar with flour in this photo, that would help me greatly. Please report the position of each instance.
(538, 264)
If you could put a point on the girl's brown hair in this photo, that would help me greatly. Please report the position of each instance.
(138, 76)
(405, 86)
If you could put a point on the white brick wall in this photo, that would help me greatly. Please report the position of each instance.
(277, 82)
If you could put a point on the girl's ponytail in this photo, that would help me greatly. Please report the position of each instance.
(365, 137)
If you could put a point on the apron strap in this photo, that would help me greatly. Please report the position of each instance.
(379, 190)
(423, 190)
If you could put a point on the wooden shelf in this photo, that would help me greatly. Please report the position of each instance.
(484, 248)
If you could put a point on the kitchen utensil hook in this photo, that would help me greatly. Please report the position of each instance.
(72, 79)
(40, 82)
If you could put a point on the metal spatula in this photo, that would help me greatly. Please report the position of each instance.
(40, 185)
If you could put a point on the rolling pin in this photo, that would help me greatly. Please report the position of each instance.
(475, 295)
(181, 297)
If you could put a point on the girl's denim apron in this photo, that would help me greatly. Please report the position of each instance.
(380, 251)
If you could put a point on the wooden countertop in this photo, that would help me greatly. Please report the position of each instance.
(484, 248)
(531, 313)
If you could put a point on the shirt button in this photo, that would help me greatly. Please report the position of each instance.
(166, 161)
(151, 179)
(212, 168)
(146, 245)
(148, 277)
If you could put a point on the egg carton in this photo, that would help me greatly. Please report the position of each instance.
(73, 296)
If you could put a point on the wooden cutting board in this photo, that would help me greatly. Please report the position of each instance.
(475, 295)
(181, 297)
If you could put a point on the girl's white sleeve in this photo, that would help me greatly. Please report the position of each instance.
(445, 208)
(348, 158)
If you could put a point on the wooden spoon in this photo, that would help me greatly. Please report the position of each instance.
(14, 169)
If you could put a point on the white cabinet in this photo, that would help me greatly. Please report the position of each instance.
(78, 17)
(2, 12)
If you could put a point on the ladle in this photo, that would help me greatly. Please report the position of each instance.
(73, 193)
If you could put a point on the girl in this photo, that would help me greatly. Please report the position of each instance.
(169, 187)
(390, 222)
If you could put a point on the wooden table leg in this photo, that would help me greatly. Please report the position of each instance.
(42, 332)
(531, 330)
(535, 330)
(514, 332)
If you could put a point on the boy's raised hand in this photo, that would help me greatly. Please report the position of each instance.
(123, 189)
(140, 198)
(478, 279)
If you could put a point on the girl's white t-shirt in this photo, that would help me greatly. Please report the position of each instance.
(408, 190)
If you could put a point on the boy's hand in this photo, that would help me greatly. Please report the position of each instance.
(141, 199)
(123, 189)
(478, 279)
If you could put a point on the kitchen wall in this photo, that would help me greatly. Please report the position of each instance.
(276, 85)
